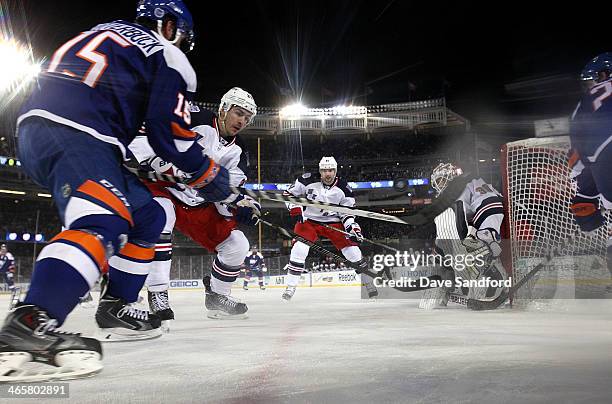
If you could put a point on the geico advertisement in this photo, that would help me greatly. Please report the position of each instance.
(186, 284)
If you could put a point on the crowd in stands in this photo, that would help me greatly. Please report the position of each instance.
(29, 216)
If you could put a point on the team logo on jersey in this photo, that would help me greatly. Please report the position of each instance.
(193, 108)
(66, 190)
(306, 175)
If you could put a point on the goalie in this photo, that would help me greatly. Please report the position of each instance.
(470, 227)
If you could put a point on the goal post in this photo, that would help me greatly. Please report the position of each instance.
(537, 190)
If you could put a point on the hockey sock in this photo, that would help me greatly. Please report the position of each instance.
(129, 269)
(294, 273)
(56, 287)
(65, 270)
(222, 277)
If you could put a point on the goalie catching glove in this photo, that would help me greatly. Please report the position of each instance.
(485, 246)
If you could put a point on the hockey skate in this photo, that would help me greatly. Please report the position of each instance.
(87, 301)
(15, 297)
(122, 321)
(262, 287)
(159, 305)
(288, 293)
(369, 286)
(245, 287)
(221, 307)
(29, 335)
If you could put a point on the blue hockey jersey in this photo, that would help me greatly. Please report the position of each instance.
(254, 261)
(109, 80)
(591, 123)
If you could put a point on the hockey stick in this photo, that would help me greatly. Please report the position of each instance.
(453, 297)
(364, 239)
(425, 215)
(317, 247)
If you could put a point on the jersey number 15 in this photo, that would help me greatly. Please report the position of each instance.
(89, 53)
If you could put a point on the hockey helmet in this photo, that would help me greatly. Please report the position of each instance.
(443, 174)
(156, 10)
(240, 98)
(328, 163)
(598, 69)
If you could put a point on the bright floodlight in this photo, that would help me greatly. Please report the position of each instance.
(17, 66)
(293, 111)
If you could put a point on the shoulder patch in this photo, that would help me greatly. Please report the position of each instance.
(307, 178)
(344, 186)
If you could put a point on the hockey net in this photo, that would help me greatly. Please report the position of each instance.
(537, 193)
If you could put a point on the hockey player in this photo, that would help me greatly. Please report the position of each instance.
(254, 265)
(327, 187)
(471, 227)
(7, 267)
(95, 92)
(213, 226)
(591, 154)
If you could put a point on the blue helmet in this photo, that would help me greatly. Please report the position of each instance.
(598, 69)
(156, 10)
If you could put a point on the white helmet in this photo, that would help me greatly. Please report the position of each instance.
(243, 99)
(328, 163)
(443, 174)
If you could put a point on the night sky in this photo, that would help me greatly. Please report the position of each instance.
(498, 63)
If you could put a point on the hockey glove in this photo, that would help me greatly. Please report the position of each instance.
(482, 256)
(211, 182)
(296, 216)
(587, 213)
(246, 211)
(355, 233)
(161, 166)
(492, 238)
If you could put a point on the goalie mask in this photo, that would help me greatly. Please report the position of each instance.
(443, 174)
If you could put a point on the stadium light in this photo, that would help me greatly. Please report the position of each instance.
(12, 236)
(10, 191)
(38, 237)
(44, 195)
(26, 236)
(17, 67)
(293, 111)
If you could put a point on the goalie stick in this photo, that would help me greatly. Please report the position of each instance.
(425, 215)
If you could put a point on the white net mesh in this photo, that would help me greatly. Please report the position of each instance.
(538, 191)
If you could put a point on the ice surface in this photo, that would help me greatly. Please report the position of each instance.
(329, 346)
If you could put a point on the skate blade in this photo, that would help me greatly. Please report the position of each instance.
(125, 335)
(221, 315)
(165, 326)
(73, 364)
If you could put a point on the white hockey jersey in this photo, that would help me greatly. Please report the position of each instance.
(480, 206)
(311, 187)
(227, 153)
